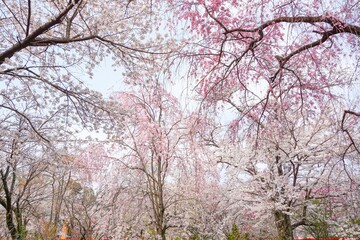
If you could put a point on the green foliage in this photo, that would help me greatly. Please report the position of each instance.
(195, 236)
(318, 229)
(22, 232)
(356, 221)
(235, 234)
(151, 232)
(316, 202)
(318, 219)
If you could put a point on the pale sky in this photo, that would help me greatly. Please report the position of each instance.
(106, 80)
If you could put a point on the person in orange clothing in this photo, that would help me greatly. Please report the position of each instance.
(64, 231)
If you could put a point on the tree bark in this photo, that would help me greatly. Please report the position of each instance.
(283, 225)
(17, 231)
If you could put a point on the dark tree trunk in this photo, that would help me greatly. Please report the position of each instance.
(283, 225)
(10, 225)
(16, 228)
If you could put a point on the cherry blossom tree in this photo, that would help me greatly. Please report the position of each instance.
(160, 166)
(152, 145)
(23, 163)
(92, 195)
(283, 168)
(279, 67)
(58, 181)
(282, 68)
(46, 47)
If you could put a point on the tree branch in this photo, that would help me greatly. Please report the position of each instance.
(42, 29)
(337, 24)
(28, 18)
(357, 114)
